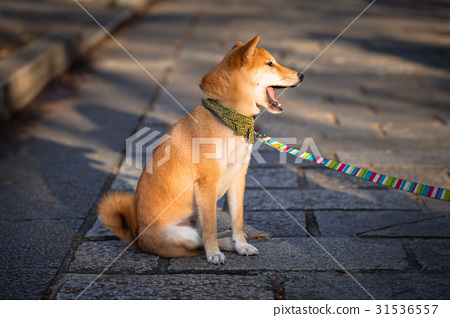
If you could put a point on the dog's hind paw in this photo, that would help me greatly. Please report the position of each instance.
(218, 258)
(223, 234)
(228, 233)
(246, 249)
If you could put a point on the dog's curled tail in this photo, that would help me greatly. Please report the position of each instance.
(116, 211)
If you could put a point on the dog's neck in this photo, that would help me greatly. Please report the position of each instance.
(241, 124)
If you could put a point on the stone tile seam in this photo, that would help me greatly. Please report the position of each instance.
(399, 224)
(411, 257)
(312, 226)
(250, 273)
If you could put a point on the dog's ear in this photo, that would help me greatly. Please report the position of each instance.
(249, 49)
(237, 44)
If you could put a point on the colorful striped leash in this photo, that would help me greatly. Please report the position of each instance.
(396, 183)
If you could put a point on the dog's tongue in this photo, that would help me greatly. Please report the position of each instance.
(273, 101)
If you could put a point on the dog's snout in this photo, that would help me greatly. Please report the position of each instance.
(300, 76)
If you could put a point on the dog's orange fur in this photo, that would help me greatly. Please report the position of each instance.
(174, 209)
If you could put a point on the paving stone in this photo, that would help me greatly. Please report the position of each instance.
(325, 285)
(436, 158)
(436, 205)
(99, 231)
(25, 283)
(304, 254)
(224, 224)
(94, 257)
(264, 224)
(272, 178)
(438, 227)
(187, 95)
(356, 253)
(31, 191)
(328, 199)
(22, 242)
(24, 211)
(380, 284)
(223, 221)
(196, 60)
(332, 179)
(153, 120)
(416, 130)
(289, 126)
(276, 223)
(357, 143)
(345, 223)
(432, 254)
(196, 286)
(126, 179)
(371, 115)
(221, 203)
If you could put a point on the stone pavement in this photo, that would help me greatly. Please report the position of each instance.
(377, 98)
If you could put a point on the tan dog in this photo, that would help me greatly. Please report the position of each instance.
(173, 213)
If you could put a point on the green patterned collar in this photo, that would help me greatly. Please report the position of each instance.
(243, 125)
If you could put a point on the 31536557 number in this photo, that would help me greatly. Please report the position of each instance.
(404, 309)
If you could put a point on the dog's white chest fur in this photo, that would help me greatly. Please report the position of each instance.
(235, 157)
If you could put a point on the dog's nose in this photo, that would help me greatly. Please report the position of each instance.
(300, 76)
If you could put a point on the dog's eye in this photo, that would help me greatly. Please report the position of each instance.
(270, 64)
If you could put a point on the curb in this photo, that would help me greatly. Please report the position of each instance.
(25, 74)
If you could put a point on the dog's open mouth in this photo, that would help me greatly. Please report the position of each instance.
(274, 105)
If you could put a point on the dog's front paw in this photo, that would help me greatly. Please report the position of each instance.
(217, 258)
(245, 249)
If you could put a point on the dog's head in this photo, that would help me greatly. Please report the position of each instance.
(247, 78)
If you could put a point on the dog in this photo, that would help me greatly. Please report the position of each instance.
(173, 213)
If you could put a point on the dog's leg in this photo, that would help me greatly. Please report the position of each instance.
(206, 197)
(235, 197)
(223, 234)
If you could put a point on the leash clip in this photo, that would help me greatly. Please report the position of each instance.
(260, 135)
